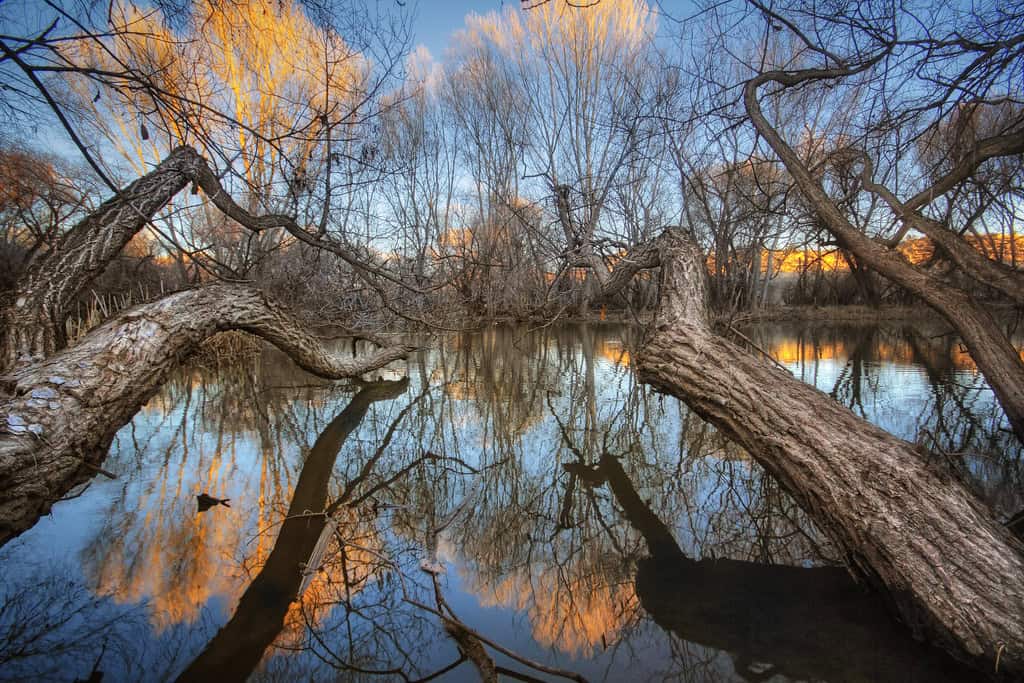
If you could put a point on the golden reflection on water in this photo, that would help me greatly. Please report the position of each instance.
(792, 350)
(575, 613)
(245, 435)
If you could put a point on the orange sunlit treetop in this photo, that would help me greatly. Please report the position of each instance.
(798, 260)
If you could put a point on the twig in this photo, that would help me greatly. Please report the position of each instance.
(748, 340)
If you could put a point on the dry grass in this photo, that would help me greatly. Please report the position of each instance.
(226, 348)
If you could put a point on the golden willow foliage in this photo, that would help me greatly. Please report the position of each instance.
(251, 80)
(586, 40)
(564, 64)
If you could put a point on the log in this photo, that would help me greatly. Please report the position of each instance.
(909, 529)
(59, 416)
(809, 623)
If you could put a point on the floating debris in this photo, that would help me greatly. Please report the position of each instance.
(15, 420)
(205, 502)
(44, 392)
(56, 380)
(316, 557)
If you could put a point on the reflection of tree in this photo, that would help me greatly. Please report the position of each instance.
(239, 645)
(918, 383)
(547, 542)
(47, 622)
(232, 433)
(519, 424)
(806, 623)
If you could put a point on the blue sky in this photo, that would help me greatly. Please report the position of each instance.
(436, 20)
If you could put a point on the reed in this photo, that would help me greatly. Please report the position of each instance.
(226, 348)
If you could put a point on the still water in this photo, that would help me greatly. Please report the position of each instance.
(521, 483)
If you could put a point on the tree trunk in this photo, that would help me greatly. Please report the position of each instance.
(991, 350)
(60, 415)
(33, 321)
(790, 617)
(951, 572)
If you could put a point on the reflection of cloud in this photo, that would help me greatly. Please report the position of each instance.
(575, 619)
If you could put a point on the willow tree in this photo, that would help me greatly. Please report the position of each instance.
(279, 103)
(583, 83)
(904, 525)
(61, 404)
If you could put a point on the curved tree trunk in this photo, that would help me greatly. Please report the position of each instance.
(951, 572)
(32, 324)
(995, 356)
(32, 321)
(60, 415)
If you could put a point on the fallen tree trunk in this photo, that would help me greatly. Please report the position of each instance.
(951, 572)
(790, 617)
(58, 417)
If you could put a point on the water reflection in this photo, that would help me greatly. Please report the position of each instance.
(276, 597)
(489, 462)
(775, 620)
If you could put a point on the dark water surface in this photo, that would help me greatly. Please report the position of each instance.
(565, 511)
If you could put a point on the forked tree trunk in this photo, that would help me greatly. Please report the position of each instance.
(60, 415)
(952, 573)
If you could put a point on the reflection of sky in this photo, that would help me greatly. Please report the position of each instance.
(897, 398)
(139, 540)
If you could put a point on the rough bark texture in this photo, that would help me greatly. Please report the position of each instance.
(808, 623)
(33, 321)
(951, 572)
(995, 356)
(58, 417)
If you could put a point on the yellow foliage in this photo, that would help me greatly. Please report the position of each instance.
(255, 76)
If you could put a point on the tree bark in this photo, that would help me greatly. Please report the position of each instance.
(991, 350)
(32, 322)
(808, 623)
(58, 417)
(952, 573)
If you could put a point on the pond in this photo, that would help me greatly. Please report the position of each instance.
(520, 482)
